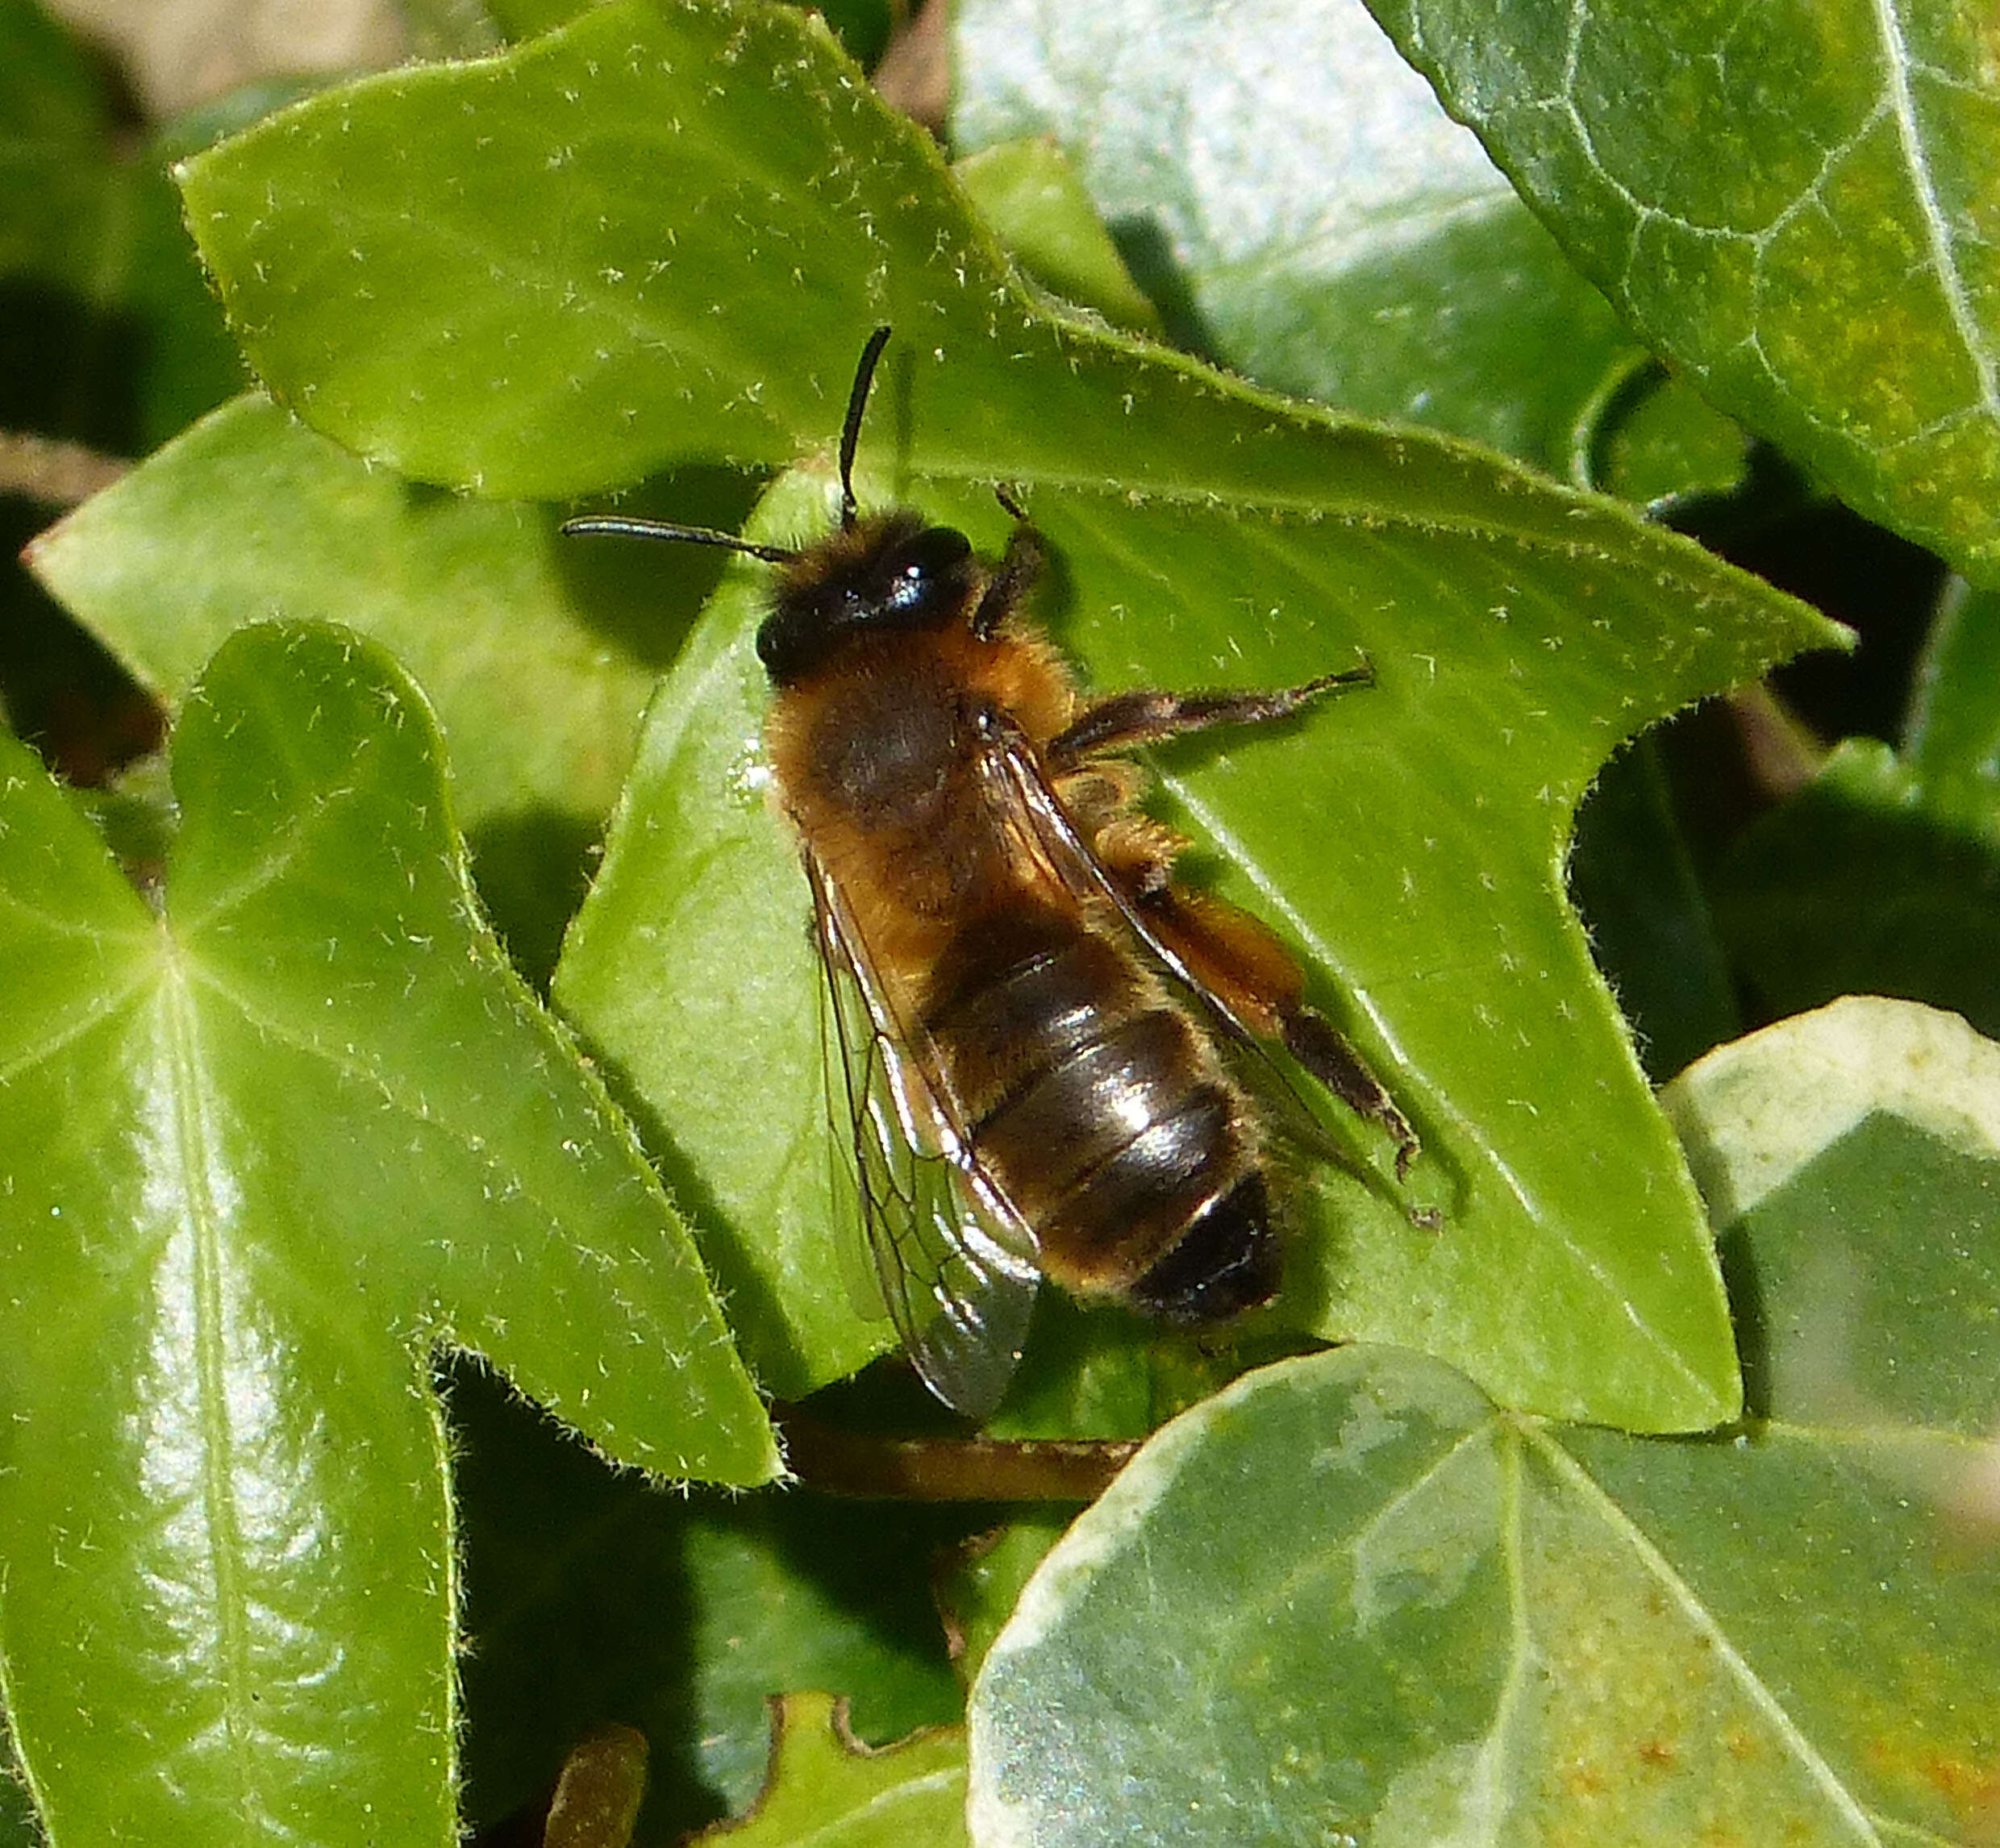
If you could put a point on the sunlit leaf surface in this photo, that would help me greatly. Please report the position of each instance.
(1349, 1596)
(1406, 839)
(249, 515)
(1825, 269)
(1203, 534)
(262, 1150)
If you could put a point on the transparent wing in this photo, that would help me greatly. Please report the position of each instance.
(953, 1261)
(1019, 789)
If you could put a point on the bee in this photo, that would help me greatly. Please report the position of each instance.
(1052, 1059)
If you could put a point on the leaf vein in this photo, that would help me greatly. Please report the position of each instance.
(1755, 1688)
(1937, 230)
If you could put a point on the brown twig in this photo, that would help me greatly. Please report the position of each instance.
(57, 474)
(948, 1469)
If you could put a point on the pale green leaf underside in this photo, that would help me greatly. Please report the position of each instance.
(1754, 1113)
(1312, 219)
(1348, 1594)
(1347, 1597)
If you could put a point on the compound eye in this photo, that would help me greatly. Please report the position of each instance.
(936, 551)
(931, 558)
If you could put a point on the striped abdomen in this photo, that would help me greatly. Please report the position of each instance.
(1104, 1114)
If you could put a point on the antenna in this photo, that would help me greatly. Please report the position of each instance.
(620, 527)
(851, 430)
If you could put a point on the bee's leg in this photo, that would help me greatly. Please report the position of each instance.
(1146, 717)
(1322, 1049)
(1242, 964)
(1019, 566)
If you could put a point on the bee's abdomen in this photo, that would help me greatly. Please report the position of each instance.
(1018, 990)
(1106, 1118)
(1229, 1259)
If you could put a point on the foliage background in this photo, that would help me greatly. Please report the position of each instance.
(1819, 271)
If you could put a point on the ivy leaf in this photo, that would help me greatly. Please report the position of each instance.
(1408, 837)
(249, 513)
(588, 346)
(1822, 272)
(1847, 1156)
(1314, 220)
(262, 1153)
(1952, 738)
(1350, 1596)
(979, 1591)
(826, 1790)
(1316, 223)
(1410, 842)
(1036, 201)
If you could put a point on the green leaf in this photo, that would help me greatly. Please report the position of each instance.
(1657, 441)
(1846, 1155)
(791, 1595)
(1203, 531)
(690, 971)
(584, 349)
(1313, 220)
(1032, 197)
(827, 1791)
(1409, 838)
(249, 515)
(1822, 269)
(262, 1153)
(983, 1587)
(1348, 1597)
(1951, 743)
(591, 1596)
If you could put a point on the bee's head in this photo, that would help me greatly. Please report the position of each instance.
(887, 573)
